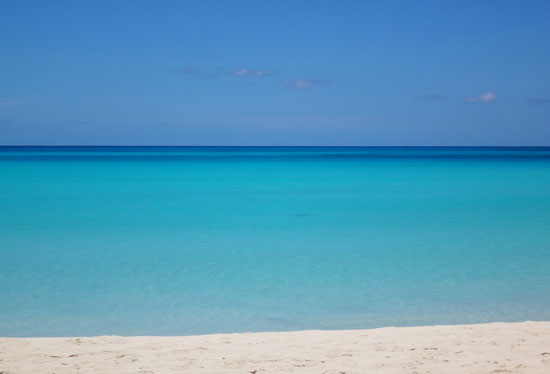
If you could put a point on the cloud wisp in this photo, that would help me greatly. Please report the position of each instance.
(196, 72)
(483, 98)
(296, 84)
(538, 101)
(429, 97)
(244, 72)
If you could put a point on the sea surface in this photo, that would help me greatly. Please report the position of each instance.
(194, 240)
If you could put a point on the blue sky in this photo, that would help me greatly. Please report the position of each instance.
(275, 73)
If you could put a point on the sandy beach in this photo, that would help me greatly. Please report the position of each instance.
(485, 348)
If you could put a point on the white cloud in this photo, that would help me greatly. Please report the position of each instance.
(240, 72)
(303, 83)
(483, 98)
(251, 72)
(263, 73)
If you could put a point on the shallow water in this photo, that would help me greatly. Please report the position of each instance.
(191, 240)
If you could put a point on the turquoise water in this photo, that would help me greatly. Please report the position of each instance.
(174, 241)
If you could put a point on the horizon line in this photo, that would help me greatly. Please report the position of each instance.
(272, 146)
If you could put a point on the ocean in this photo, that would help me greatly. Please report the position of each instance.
(196, 240)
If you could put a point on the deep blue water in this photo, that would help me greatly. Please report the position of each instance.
(191, 240)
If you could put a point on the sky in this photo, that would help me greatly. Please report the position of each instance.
(342, 73)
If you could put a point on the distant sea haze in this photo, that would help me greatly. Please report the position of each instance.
(193, 240)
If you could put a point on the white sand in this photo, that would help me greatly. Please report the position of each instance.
(489, 348)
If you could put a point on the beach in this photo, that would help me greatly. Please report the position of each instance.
(484, 348)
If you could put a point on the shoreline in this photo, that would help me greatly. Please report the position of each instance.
(516, 347)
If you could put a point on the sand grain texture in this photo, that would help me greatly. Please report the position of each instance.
(488, 348)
